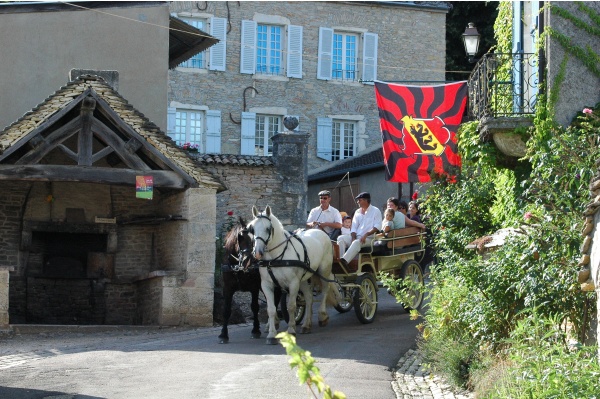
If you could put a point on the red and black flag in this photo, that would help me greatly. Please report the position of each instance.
(418, 128)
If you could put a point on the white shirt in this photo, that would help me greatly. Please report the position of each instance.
(329, 215)
(363, 223)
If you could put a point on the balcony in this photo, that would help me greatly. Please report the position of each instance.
(503, 91)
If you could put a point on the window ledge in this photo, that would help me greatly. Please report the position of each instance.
(191, 70)
(278, 78)
(345, 82)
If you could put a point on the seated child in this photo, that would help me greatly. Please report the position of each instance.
(388, 221)
(347, 225)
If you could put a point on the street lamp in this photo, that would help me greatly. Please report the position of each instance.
(471, 41)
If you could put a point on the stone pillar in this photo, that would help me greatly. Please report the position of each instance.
(290, 155)
(4, 284)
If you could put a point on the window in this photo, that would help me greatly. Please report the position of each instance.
(338, 136)
(268, 50)
(258, 130)
(188, 128)
(214, 58)
(342, 140)
(266, 127)
(343, 53)
(196, 125)
(271, 48)
(344, 58)
(198, 60)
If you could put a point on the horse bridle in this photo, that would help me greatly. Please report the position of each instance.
(266, 242)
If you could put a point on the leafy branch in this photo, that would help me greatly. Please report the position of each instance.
(308, 373)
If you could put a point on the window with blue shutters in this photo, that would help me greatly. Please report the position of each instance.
(271, 49)
(346, 55)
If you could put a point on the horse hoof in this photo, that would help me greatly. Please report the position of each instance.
(305, 330)
(255, 335)
(323, 323)
(272, 341)
(224, 341)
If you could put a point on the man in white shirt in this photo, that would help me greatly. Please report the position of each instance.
(324, 216)
(365, 224)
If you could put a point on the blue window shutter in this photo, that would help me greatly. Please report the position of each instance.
(248, 54)
(218, 52)
(369, 57)
(248, 133)
(213, 132)
(171, 112)
(325, 53)
(294, 49)
(324, 144)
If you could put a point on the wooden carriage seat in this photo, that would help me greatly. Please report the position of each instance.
(397, 241)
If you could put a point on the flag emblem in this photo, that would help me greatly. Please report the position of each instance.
(418, 128)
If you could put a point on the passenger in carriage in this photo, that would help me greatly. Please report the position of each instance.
(413, 211)
(400, 220)
(388, 221)
(365, 223)
(347, 225)
(325, 216)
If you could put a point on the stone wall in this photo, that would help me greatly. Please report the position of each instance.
(579, 88)
(146, 269)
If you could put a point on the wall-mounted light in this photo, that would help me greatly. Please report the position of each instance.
(471, 41)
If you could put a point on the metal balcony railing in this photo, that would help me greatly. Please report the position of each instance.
(503, 85)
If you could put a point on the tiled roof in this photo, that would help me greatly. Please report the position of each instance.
(129, 115)
(232, 159)
(370, 159)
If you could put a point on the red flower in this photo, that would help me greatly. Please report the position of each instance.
(230, 213)
(415, 195)
(452, 179)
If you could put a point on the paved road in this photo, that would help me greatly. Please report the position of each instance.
(147, 363)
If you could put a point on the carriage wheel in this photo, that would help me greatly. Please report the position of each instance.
(365, 298)
(345, 303)
(300, 307)
(412, 269)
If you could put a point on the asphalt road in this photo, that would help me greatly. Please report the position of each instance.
(354, 358)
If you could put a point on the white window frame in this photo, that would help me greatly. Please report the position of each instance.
(249, 145)
(208, 140)
(366, 54)
(339, 127)
(290, 51)
(214, 58)
(325, 141)
(190, 63)
(348, 63)
(273, 49)
(263, 137)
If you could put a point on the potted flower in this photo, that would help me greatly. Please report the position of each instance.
(189, 147)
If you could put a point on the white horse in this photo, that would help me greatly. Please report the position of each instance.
(289, 261)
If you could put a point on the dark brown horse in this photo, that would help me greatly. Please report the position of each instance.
(240, 273)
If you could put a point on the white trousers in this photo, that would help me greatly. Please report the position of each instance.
(354, 247)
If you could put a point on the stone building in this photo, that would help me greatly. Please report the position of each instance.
(81, 246)
(313, 60)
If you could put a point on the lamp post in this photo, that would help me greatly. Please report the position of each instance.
(471, 41)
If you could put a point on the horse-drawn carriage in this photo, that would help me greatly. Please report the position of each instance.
(397, 253)
(306, 262)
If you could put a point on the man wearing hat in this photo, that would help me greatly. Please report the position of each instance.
(324, 216)
(365, 224)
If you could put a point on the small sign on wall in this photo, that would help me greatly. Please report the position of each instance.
(144, 187)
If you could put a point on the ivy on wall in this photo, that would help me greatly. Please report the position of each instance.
(586, 55)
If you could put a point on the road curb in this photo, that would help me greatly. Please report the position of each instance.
(412, 380)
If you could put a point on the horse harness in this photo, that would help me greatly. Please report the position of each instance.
(280, 262)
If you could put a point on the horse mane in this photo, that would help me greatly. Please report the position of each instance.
(231, 242)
